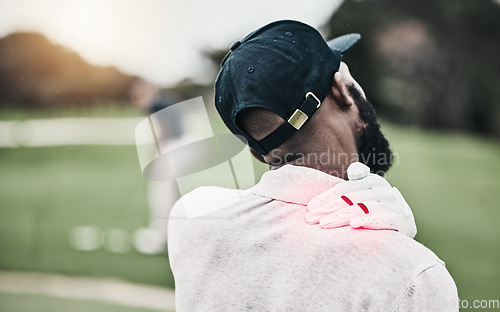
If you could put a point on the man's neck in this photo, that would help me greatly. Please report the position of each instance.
(331, 162)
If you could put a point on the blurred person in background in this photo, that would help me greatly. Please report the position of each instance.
(161, 194)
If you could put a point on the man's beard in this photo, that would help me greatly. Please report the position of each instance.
(373, 148)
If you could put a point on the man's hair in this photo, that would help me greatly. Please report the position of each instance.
(258, 122)
(373, 150)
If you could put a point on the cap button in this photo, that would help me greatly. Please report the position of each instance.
(235, 45)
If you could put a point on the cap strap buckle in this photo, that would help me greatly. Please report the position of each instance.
(297, 119)
(315, 97)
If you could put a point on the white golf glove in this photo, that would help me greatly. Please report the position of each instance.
(365, 201)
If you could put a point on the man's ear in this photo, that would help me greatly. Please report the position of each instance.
(258, 156)
(340, 92)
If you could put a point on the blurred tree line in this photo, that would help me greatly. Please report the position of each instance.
(35, 73)
(432, 63)
(38, 74)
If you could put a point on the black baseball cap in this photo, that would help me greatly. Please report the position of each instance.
(286, 67)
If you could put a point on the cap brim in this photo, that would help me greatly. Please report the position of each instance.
(344, 43)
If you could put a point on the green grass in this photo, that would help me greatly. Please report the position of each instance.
(450, 181)
(104, 108)
(45, 192)
(18, 302)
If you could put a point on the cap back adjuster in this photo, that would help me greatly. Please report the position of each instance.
(298, 118)
(293, 124)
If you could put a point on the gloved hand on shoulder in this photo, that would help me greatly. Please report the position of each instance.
(366, 201)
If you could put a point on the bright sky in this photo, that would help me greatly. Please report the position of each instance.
(160, 40)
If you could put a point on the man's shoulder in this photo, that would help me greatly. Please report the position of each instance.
(206, 199)
(424, 274)
(211, 192)
(386, 256)
(406, 251)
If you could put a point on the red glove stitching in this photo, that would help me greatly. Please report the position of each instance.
(363, 207)
(347, 200)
